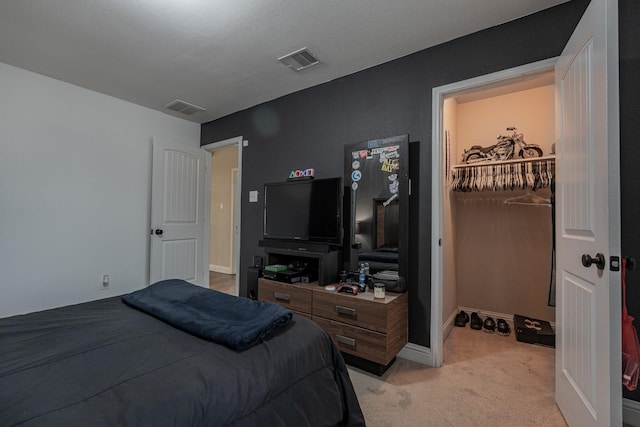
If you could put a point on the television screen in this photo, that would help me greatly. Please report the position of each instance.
(304, 210)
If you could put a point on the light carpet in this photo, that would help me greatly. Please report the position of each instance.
(486, 380)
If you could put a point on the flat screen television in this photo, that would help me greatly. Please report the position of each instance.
(309, 210)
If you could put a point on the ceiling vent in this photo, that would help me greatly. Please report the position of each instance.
(184, 107)
(299, 60)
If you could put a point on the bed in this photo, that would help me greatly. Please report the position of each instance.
(107, 363)
(380, 259)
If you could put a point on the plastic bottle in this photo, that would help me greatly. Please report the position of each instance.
(362, 276)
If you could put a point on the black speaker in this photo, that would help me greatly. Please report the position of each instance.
(253, 274)
(258, 261)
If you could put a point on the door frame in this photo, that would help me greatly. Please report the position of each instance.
(439, 94)
(235, 206)
(240, 143)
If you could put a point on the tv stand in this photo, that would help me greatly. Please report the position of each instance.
(324, 264)
(295, 245)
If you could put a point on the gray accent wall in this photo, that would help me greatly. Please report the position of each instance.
(308, 129)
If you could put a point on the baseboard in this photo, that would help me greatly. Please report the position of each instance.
(631, 412)
(417, 353)
(423, 355)
(220, 269)
(448, 325)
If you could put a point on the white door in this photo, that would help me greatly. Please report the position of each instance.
(588, 359)
(177, 213)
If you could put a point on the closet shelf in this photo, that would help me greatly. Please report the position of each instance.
(504, 162)
(526, 174)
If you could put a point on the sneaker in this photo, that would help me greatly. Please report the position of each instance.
(489, 325)
(476, 321)
(462, 319)
(503, 328)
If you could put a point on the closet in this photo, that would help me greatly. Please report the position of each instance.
(497, 215)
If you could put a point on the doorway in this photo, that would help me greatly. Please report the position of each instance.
(224, 214)
(500, 87)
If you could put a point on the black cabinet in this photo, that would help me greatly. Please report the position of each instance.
(322, 265)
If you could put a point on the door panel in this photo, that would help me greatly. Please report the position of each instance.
(588, 386)
(177, 213)
(181, 188)
(179, 259)
(578, 338)
(578, 185)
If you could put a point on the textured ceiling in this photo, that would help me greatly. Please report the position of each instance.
(222, 54)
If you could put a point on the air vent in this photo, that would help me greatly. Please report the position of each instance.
(299, 60)
(184, 107)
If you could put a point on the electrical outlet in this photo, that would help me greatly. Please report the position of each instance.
(105, 281)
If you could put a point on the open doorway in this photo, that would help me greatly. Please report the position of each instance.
(486, 222)
(224, 214)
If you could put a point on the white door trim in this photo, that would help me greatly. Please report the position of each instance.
(234, 218)
(211, 147)
(438, 96)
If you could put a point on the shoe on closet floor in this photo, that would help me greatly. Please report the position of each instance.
(503, 328)
(489, 325)
(462, 319)
(476, 321)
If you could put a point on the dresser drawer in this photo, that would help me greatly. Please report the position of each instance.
(293, 297)
(360, 342)
(360, 310)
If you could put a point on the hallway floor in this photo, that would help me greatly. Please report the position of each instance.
(223, 282)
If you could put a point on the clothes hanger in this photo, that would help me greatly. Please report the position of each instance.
(528, 199)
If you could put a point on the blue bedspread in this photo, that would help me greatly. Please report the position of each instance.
(235, 322)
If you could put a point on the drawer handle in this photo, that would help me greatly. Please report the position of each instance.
(282, 297)
(346, 340)
(346, 310)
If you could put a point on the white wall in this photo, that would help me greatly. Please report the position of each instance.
(75, 176)
(531, 111)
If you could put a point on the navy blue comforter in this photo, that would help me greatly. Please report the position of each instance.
(104, 363)
(235, 322)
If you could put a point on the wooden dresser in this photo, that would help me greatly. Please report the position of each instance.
(373, 330)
